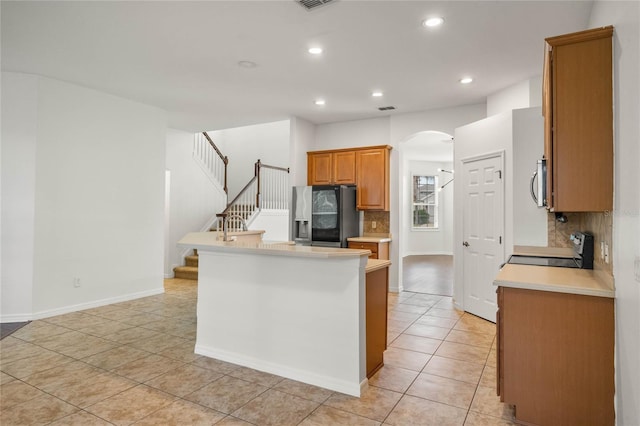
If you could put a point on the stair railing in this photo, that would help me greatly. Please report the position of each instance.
(267, 189)
(273, 186)
(213, 161)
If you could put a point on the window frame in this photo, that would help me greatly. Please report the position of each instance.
(435, 203)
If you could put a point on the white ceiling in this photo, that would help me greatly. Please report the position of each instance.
(182, 56)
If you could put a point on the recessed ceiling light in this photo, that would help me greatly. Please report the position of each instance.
(466, 80)
(247, 64)
(315, 50)
(433, 22)
(376, 94)
(319, 102)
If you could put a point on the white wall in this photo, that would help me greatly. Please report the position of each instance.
(403, 128)
(19, 112)
(349, 134)
(274, 222)
(493, 134)
(519, 133)
(193, 199)
(302, 135)
(525, 94)
(245, 145)
(626, 220)
(428, 241)
(529, 221)
(98, 196)
(394, 130)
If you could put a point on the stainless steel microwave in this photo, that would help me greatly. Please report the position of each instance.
(539, 184)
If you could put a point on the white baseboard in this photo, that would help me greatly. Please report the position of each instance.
(304, 376)
(15, 318)
(395, 288)
(80, 306)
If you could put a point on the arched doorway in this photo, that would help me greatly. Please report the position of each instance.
(426, 213)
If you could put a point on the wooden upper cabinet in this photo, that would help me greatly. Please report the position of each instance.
(319, 169)
(372, 178)
(366, 167)
(344, 167)
(578, 110)
(331, 168)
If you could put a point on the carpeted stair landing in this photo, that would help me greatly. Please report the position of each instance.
(190, 270)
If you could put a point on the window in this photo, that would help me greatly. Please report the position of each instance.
(425, 202)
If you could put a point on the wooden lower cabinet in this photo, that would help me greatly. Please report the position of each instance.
(377, 287)
(555, 357)
(378, 250)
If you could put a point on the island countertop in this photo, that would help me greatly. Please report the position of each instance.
(560, 280)
(209, 241)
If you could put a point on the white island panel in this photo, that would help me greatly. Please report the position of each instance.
(298, 317)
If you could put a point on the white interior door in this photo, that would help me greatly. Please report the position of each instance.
(483, 225)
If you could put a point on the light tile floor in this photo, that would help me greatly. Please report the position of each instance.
(133, 363)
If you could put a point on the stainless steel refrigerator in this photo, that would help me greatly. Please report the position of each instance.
(324, 215)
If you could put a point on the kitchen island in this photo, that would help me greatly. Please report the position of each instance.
(295, 311)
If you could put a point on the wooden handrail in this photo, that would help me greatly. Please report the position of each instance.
(256, 177)
(245, 189)
(224, 159)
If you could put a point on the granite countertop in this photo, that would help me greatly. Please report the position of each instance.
(561, 280)
(208, 241)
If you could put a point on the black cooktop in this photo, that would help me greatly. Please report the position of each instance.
(562, 262)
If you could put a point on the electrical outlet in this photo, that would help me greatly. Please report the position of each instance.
(374, 224)
(76, 282)
(601, 250)
(606, 253)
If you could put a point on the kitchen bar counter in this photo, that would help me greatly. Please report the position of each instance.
(295, 311)
(209, 241)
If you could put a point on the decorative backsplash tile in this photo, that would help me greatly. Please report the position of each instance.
(599, 224)
(380, 218)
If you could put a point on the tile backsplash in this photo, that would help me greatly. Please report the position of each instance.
(380, 218)
(599, 224)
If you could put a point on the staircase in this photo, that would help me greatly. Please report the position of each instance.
(269, 188)
(190, 270)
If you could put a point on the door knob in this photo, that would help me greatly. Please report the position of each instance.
(466, 244)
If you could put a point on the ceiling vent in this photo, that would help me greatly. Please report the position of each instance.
(312, 4)
(387, 108)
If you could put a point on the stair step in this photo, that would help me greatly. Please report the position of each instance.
(191, 260)
(186, 272)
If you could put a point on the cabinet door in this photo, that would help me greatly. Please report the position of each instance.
(557, 357)
(344, 168)
(499, 347)
(581, 133)
(377, 288)
(372, 170)
(319, 169)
